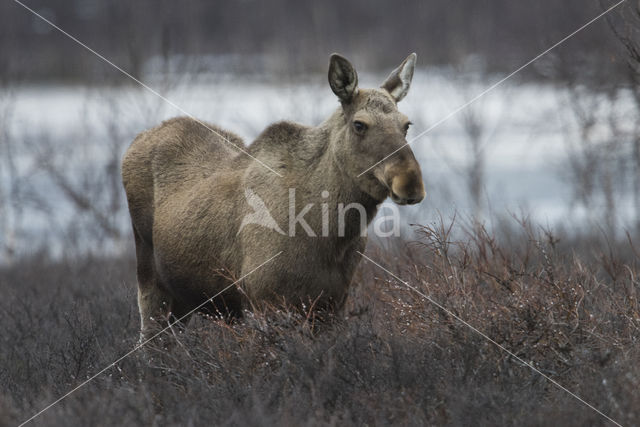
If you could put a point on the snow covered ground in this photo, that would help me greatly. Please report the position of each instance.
(524, 133)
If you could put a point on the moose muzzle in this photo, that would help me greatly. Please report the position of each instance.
(404, 180)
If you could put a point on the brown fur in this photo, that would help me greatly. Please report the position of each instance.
(186, 191)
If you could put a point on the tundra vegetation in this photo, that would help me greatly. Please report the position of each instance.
(567, 305)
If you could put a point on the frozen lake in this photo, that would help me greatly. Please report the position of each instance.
(67, 140)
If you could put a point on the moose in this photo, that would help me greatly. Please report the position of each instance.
(187, 186)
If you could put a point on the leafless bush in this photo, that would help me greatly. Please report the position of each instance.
(567, 305)
(9, 197)
(601, 115)
(470, 160)
(625, 26)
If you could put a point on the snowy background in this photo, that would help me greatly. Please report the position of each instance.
(67, 141)
(557, 143)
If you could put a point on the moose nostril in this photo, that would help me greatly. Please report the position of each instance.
(415, 199)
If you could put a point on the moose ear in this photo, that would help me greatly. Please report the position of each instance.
(343, 78)
(398, 82)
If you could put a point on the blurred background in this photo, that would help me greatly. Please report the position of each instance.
(557, 143)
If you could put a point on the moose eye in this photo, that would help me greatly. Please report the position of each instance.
(359, 126)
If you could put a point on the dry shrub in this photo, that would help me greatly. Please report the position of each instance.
(567, 305)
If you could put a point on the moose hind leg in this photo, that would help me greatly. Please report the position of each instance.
(155, 307)
(154, 303)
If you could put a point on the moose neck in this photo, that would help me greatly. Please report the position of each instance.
(329, 185)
